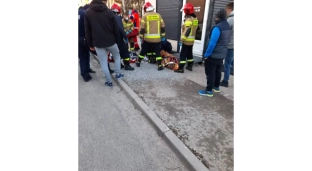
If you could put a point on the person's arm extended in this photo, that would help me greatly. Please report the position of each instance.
(213, 41)
(88, 31)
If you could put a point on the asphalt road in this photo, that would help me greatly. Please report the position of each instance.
(114, 136)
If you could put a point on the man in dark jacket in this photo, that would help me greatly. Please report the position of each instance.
(216, 52)
(102, 34)
(83, 49)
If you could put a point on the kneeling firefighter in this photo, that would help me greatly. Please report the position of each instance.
(123, 40)
(187, 38)
(152, 32)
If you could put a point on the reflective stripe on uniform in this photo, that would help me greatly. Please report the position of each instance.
(141, 56)
(190, 60)
(190, 38)
(182, 62)
(188, 23)
(149, 19)
(191, 24)
(151, 36)
(127, 59)
(158, 58)
(148, 53)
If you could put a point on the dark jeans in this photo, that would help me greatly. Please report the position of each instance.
(123, 49)
(84, 57)
(228, 61)
(213, 73)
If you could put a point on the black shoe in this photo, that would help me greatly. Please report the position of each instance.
(91, 71)
(122, 66)
(224, 84)
(160, 68)
(189, 68)
(87, 78)
(138, 64)
(129, 68)
(111, 71)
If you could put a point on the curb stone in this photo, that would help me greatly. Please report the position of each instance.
(177, 145)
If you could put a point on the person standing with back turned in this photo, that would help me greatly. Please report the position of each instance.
(216, 52)
(152, 32)
(187, 38)
(102, 34)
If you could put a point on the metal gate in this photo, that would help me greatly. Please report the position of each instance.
(217, 5)
(170, 12)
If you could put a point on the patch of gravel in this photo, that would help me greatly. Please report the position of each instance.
(147, 72)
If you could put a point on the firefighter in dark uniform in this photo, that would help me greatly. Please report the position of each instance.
(123, 41)
(152, 33)
(83, 48)
(187, 38)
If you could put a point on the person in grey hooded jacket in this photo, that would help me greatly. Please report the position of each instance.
(230, 52)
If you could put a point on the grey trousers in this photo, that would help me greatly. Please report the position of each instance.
(102, 54)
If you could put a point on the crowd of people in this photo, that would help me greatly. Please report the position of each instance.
(103, 30)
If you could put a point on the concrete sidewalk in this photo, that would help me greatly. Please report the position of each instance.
(204, 124)
(114, 136)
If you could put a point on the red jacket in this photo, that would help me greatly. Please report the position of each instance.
(135, 19)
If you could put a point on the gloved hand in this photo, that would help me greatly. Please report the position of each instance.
(126, 40)
(180, 43)
(163, 39)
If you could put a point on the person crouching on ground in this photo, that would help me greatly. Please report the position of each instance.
(102, 34)
(216, 52)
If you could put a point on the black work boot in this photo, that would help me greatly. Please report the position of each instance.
(189, 66)
(181, 69)
(127, 66)
(91, 71)
(87, 77)
(160, 66)
(138, 63)
(224, 84)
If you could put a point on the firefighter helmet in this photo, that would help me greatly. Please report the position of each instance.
(148, 7)
(188, 9)
(115, 8)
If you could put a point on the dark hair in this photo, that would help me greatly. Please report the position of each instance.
(230, 5)
(221, 14)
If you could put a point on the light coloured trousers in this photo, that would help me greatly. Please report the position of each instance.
(102, 53)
